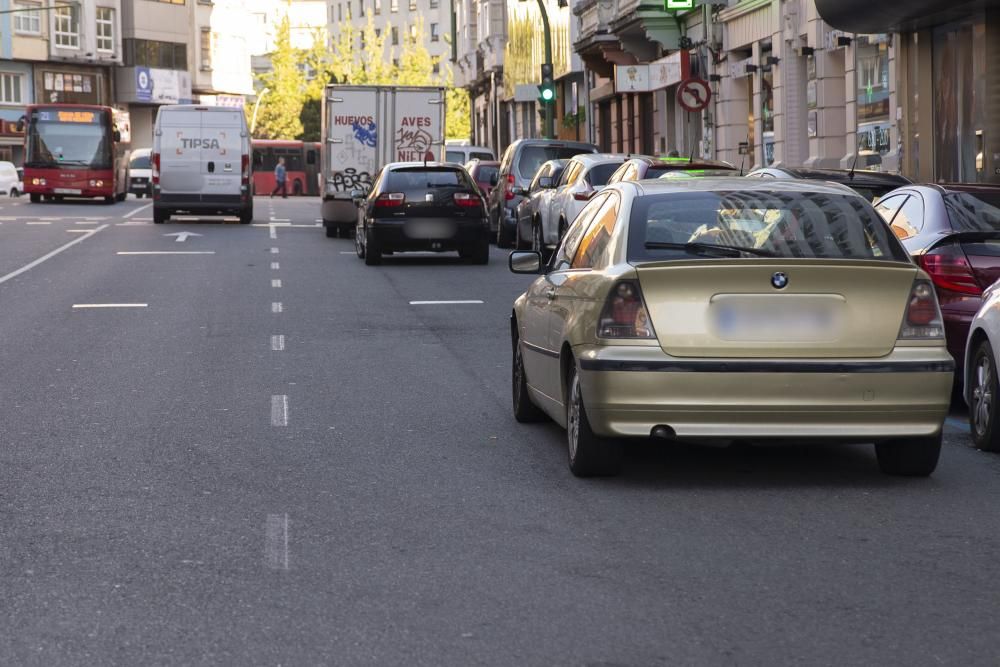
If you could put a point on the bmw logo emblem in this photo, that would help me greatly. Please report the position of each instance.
(779, 280)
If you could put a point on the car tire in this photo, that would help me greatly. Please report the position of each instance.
(111, 199)
(525, 411)
(519, 243)
(121, 196)
(984, 391)
(14, 193)
(373, 254)
(344, 231)
(504, 237)
(359, 247)
(297, 188)
(538, 243)
(589, 454)
(909, 457)
(332, 231)
(160, 216)
(476, 254)
(35, 198)
(246, 215)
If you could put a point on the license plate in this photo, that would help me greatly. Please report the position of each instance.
(429, 230)
(764, 320)
(68, 191)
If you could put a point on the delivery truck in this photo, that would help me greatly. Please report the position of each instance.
(367, 127)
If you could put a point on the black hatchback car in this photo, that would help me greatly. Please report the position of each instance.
(427, 206)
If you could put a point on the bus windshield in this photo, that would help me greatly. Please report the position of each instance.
(69, 138)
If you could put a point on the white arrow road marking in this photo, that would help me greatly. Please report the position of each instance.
(65, 246)
(440, 303)
(276, 541)
(279, 411)
(182, 236)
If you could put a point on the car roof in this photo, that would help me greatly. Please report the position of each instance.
(682, 162)
(430, 165)
(594, 159)
(971, 188)
(719, 183)
(845, 176)
(553, 142)
(476, 162)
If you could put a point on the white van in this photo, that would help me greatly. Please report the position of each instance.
(201, 162)
(10, 180)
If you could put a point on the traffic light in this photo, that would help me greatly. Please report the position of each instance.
(547, 89)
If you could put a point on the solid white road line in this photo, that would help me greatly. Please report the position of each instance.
(276, 541)
(273, 219)
(279, 410)
(38, 223)
(443, 303)
(276, 282)
(65, 246)
(276, 307)
(110, 305)
(164, 252)
(275, 266)
(278, 343)
(136, 210)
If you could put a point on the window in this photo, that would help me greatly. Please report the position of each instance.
(910, 218)
(378, 7)
(10, 88)
(435, 35)
(206, 49)
(436, 68)
(150, 53)
(28, 21)
(434, 3)
(67, 27)
(361, 8)
(567, 249)
(590, 255)
(888, 207)
(106, 29)
(171, 2)
(413, 5)
(378, 32)
(395, 36)
(413, 32)
(393, 5)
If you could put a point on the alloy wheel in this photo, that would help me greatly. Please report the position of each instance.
(982, 396)
(573, 417)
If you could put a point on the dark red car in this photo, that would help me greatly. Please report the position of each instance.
(482, 171)
(953, 233)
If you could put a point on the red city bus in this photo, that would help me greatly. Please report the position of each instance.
(74, 150)
(302, 166)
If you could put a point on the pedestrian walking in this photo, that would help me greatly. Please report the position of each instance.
(279, 179)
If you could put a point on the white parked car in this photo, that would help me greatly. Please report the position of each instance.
(584, 176)
(982, 392)
(10, 180)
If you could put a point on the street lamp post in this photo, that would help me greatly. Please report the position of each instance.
(256, 106)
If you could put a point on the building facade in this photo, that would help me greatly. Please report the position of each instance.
(396, 20)
(221, 71)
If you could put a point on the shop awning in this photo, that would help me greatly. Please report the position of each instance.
(867, 17)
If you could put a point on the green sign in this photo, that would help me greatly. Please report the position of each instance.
(671, 5)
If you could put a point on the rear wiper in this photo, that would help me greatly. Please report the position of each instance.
(721, 250)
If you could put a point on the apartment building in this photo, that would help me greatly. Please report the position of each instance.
(396, 19)
(221, 74)
(61, 53)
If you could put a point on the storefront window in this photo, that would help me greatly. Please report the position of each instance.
(874, 123)
(959, 55)
(767, 105)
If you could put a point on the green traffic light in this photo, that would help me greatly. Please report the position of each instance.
(548, 94)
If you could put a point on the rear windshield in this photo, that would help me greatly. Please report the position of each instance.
(140, 162)
(533, 157)
(484, 174)
(454, 156)
(769, 224)
(872, 192)
(973, 212)
(600, 174)
(476, 155)
(418, 181)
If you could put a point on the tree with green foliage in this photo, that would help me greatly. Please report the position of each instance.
(280, 112)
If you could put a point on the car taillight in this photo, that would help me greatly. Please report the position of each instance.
(467, 200)
(922, 319)
(624, 314)
(508, 192)
(586, 195)
(390, 199)
(949, 269)
(156, 168)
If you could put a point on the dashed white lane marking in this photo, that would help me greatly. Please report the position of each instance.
(132, 223)
(275, 266)
(286, 224)
(84, 222)
(274, 251)
(163, 252)
(136, 210)
(276, 541)
(276, 282)
(77, 231)
(48, 256)
(279, 410)
(276, 307)
(444, 303)
(38, 223)
(110, 305)
(278, 343)
(347, 252)
(273, 232)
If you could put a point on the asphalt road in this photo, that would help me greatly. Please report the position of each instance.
(280, 460)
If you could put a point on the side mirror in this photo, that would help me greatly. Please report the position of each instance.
(525, 261)
(545, 182)
(357, 195)
(494, 179)
(518, 190)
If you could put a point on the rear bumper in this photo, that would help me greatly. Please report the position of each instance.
(180, 202)
(400, 235)
(629, 390)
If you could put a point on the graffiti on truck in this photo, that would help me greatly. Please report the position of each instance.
(366, 132)
(350, 179)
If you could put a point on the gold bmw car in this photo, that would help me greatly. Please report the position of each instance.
(727, 308)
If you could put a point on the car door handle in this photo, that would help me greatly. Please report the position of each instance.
(550, 294)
